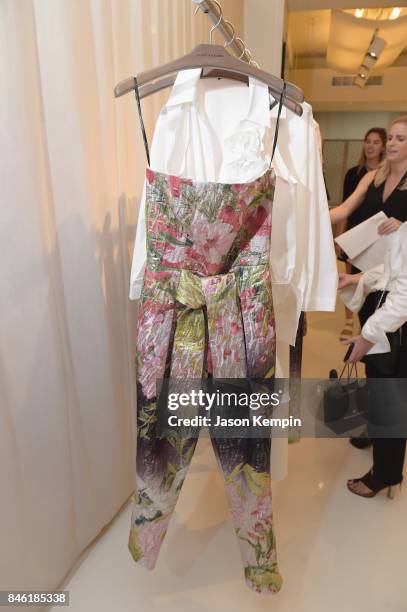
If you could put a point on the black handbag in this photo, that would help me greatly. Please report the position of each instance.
(345, 403)
(385, 364)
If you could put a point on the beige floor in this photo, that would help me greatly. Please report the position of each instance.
(337, 552)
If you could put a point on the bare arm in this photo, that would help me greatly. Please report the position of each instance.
(348, 279)
(342, 212)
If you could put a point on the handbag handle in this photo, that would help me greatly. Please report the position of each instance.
(353, 366)
(350, 367)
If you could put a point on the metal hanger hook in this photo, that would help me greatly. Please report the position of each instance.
(229, 42)
(213, 28)
(244, 48)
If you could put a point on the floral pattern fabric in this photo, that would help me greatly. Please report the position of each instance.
(206, 307)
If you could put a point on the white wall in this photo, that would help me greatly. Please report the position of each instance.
(263, 32)
(351, 126)
(319, 91)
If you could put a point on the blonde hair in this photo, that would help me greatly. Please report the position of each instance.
(381, 132)
(383, 169)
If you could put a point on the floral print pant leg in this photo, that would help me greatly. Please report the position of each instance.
(206, 306)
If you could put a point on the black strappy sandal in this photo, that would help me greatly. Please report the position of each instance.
(373, 484)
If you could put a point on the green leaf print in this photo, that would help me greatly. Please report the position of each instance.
(258, 482)
(144, 519)
(169, 477)
(270, 541)
(233, 474)
(258, 552)
(264, 579)
(133, 545)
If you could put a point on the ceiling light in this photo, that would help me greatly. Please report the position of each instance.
(359, 13)
(376, 47)
(395, 13)
(352, 39)
(359, 82)
(362, 75)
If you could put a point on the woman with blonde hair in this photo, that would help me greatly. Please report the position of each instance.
(373, 150)
(382, 190)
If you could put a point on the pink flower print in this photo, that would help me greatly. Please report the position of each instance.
(194, 256)
(219, 327)
(260, 314)
(212, 239)
(230, 216)
(235, 328)
(246, 193)
(262, 359)
(173, 255)
(248, 293)
(259, 528)
(150, 175)
(236, 503)
(237, 358)
(160, 276)
(262, 508)
(212, 268)
(175, 186)
(209, 360)
(150, 536)
(254, 221)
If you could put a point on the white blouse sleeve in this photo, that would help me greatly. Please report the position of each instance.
(354, 296)
(302, 258)
(138, 263)
(318, 272)
(393, 314)
(158, 162)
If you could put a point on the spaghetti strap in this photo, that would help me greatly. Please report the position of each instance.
(280, 106)
(143, 129)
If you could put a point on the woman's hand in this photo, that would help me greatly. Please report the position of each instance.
(389, 226)
(348, 279)
(360, 348)
(341, 213)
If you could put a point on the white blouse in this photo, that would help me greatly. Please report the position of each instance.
(390, 276)
(221, 130)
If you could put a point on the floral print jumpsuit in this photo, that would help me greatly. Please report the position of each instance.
(206, 306)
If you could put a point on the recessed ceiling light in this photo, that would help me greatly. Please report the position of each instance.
(359, 13)
(395, 13)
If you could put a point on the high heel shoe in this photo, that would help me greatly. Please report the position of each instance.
(373, 484)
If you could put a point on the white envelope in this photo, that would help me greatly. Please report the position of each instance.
(362, 236)
(364, 246)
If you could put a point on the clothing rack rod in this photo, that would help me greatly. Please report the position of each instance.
(215, 14)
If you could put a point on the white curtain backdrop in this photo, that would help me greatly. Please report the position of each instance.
(72, 162)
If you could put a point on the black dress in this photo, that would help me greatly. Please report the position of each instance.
(388, 453)
(352, 179)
